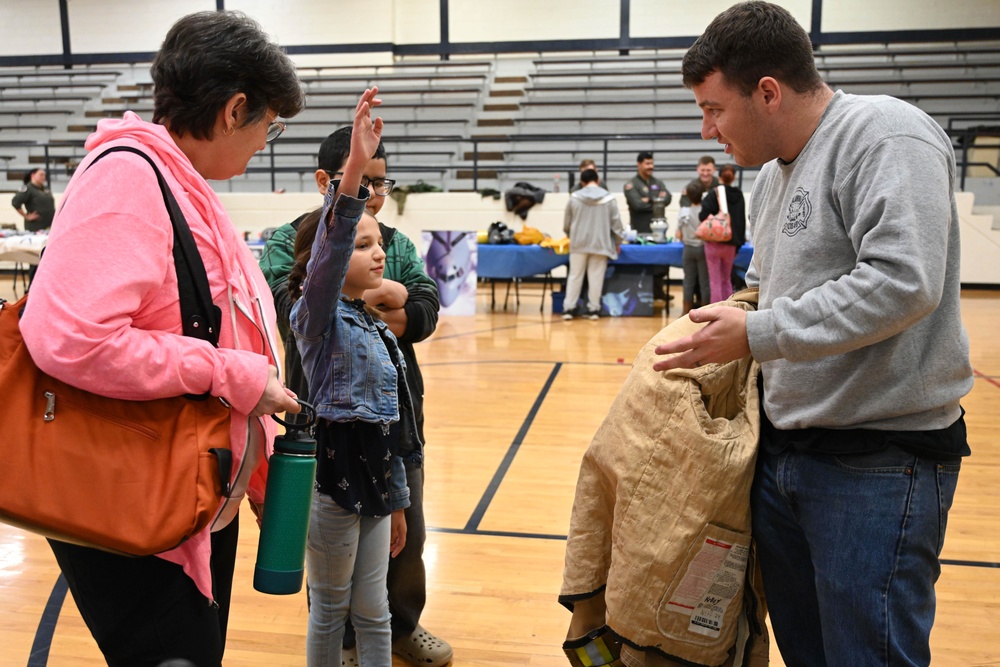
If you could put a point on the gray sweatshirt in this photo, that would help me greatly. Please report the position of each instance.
(857, 259)
(593, 223)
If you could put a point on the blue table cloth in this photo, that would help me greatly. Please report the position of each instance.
(523, 261)
(517, 261)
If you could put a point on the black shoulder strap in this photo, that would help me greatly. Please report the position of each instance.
(199, 316)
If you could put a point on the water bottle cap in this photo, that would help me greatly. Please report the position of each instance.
(308, 411)
(295, 446)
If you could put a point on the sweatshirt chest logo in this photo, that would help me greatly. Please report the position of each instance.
(799, 210)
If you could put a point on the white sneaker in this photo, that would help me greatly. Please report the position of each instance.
(567, 316)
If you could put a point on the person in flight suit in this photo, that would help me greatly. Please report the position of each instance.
(647, 197)
(643, 193)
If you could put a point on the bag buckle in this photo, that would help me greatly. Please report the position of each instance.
(50, 406)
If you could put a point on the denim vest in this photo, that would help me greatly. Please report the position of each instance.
(351, 375)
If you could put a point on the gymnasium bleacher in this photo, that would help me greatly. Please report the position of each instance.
(644, 94)
(487, 123)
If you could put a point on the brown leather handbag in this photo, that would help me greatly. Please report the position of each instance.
(136, 477)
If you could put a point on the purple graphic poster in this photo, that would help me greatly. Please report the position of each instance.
(451, 259)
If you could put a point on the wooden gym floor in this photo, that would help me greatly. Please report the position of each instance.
(512, 401)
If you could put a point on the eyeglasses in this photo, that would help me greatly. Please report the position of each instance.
(377, 186)
(274, 130)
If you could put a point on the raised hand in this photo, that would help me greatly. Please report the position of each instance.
(367, 132)
(365, 137)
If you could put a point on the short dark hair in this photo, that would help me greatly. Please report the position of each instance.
(643, 155)
(208, 57)
(335, 148)
(695, 196)
(749, 41)
(28, 174)
(706, 159)
(589, 176)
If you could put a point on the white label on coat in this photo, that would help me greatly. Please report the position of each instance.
(713, 579)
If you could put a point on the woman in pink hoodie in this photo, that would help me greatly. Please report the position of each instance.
(104, 316)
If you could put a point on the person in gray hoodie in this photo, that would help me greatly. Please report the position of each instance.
(858, 334)
(595, 231)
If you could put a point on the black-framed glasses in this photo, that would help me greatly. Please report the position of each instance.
(377, 186)
(274, 130)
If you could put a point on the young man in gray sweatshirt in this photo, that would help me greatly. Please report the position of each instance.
(859, 335)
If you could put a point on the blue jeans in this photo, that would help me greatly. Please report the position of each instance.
(347, 558)
(848, 547)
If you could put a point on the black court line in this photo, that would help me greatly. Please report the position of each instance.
(497, 533)
(476, 332)
(519, 362)
(46, 627)
(549, 536)
(508, 459)
(39, 656)
(969, 563)
(50, 616)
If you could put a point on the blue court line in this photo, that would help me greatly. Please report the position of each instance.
(39, 656)
(508, 459)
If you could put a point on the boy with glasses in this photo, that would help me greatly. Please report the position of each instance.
(377, 186)
(409, 303)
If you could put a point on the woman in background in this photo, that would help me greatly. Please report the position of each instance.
(34, 202)
(720, 256)
(104, 316)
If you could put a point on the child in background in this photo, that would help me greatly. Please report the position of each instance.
(693, 257)
(359, 480)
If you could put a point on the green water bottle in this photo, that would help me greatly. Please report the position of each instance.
(281, 551)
